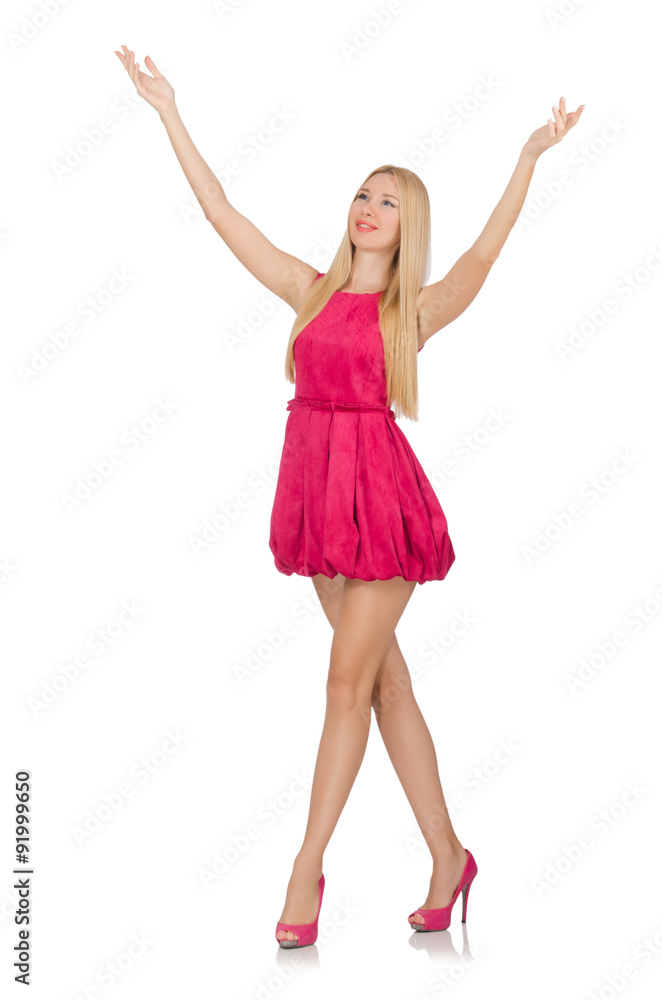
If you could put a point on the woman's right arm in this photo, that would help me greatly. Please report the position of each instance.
(282, 273)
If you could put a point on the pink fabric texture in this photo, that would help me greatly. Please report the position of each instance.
(351, 496)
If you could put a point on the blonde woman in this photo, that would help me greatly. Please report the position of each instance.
(353, 509)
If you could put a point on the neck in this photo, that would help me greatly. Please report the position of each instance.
(370, 272)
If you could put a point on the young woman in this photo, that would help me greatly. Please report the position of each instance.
(353, 508)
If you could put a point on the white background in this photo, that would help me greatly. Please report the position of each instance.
(538, 923)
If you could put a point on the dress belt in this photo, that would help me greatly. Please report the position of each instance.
(335, 404)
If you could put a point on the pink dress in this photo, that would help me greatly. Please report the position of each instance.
(351, 496)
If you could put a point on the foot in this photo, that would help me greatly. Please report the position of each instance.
(445, 879)
(302, 900)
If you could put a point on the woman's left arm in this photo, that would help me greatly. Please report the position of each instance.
(444, 300)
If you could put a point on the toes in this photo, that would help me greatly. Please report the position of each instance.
(288, 940)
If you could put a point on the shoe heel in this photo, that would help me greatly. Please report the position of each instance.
(465, 897)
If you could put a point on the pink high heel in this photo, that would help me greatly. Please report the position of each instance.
(440, 919)
(307, 933)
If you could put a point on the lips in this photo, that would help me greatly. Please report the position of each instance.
(361, 223)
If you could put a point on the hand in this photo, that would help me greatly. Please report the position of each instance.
(154, 89)
(551, 133)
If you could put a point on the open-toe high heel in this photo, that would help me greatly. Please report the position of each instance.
(306, 933)
(440, 919)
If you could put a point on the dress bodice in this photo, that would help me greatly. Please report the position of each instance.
(339, 355)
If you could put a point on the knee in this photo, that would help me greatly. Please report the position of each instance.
(345, 690)
(391, 689)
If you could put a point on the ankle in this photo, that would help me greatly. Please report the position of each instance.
(308, 865)
(444, 851)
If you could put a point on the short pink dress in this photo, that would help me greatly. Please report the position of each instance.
(351, 496)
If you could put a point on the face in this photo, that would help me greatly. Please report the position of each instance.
(377, 204)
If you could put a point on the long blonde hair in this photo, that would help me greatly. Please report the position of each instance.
(397, 303)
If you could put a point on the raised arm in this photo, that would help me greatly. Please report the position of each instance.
(445, 300)
(282, 273)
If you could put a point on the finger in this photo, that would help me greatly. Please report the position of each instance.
(574, 116)
(152, 67)
(139, 76)
(134, 70)
(144, 78)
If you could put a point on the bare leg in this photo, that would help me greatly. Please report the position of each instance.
(366, 620)
(410, 748)
(409, 745)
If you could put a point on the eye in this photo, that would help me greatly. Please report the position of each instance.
(386, 201)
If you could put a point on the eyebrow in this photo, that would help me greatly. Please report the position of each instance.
(385, 195)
